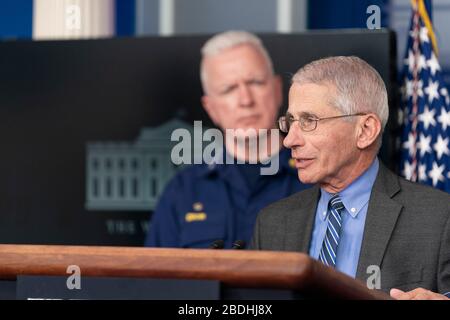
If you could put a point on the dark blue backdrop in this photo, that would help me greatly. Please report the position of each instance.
(16, 18)
(332, 14)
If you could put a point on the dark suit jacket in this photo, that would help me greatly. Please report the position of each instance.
(406, 234)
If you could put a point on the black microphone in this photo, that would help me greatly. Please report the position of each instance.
(218, 244)
(238, 244)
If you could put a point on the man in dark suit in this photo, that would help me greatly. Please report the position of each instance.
(360, 215)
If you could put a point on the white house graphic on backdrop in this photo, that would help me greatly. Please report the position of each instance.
(131, 176)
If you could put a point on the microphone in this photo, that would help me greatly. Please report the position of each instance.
(218, 244)
(238, 244)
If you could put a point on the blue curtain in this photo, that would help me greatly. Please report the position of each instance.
(125, 17)
(16, 19)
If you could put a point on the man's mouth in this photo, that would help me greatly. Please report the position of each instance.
(302, 163)
(249, 119)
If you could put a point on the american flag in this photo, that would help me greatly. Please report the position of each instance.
(425, 154)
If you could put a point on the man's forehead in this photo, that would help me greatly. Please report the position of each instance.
(223, 77)
(308, 97)
(309, 88)
(242, 56)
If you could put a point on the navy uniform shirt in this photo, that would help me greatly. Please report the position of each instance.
(204, 203)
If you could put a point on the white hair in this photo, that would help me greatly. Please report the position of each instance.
(227, 40)
(359, 86)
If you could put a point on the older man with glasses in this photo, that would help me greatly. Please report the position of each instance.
(359, 214)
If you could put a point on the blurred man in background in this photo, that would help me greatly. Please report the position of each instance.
(205, 203)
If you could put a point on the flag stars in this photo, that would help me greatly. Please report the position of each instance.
(427, 117)
(422, 172)
(409, 144)
(433, 64)
(425, 112)
(421, 63)
(432, 91)
(413, 33)
(420, 88)
(408, 170)
(444, 93)
(424, 35)
(444, 118)
(409, 88)
(436, 173)
(411, 60)
(424, 144)
(441, 147)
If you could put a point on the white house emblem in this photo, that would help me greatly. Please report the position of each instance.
(130, 176)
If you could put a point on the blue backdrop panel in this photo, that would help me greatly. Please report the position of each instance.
(125, 17)
(332, 14)
(16, 18)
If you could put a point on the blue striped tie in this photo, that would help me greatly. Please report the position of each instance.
(330, 243)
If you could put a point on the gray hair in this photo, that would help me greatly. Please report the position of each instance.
(359, 86)
(227, 40)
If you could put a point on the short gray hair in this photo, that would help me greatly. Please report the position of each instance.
(227, 40)
(359, 86)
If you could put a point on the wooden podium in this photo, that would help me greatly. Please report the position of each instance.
(232, 268)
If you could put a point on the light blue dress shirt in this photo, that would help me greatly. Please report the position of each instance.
(355, 199)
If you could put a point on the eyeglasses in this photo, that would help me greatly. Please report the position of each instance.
(306, 122)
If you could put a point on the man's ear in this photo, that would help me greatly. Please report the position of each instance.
(368, 130)
(210, 110)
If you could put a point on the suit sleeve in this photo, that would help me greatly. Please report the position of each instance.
(444, 260)
(164, 224)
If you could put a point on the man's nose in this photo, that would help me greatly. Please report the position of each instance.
(245, 95)
(294, 138)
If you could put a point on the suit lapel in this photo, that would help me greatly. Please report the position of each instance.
(382, 215)
(300, 219)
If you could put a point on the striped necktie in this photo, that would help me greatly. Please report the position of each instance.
(330, 243)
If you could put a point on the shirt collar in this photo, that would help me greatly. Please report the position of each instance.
(356, 195)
